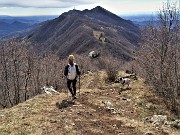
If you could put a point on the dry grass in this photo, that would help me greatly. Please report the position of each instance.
(89, 114)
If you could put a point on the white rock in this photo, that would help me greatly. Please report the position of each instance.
(157, 120)
(49, 90)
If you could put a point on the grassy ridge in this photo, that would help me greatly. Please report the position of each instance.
(102, 108)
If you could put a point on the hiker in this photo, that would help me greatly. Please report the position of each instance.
(71, 72)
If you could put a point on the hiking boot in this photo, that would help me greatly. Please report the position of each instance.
(74, 97)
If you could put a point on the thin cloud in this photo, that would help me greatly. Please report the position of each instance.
(44, 3)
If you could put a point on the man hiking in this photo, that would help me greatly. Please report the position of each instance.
(71, 72)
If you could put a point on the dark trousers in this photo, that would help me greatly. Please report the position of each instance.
(73, 88)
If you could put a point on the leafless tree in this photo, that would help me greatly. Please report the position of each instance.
(23, 72)
(160, 58)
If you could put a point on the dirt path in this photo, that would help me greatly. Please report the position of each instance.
(106, 111)
(91, 115)
(88, 116)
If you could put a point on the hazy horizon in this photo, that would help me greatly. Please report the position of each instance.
(57, 7)
(139, 14)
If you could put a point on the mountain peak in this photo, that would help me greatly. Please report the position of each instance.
(99, 9)
(95, 11)
(74, 11)
(89, 24)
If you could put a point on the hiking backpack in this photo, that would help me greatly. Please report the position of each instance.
(72, 73)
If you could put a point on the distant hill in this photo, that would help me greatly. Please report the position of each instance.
(11, 25)
(82, 31)
(26, 19)
(9, 28)
(143, 20)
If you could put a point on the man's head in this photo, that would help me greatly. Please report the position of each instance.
(71, 59)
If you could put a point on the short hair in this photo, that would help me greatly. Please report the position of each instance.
(71, 57)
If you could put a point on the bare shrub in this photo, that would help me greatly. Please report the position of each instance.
(85, 63)
(159, 56)
(111, 65)
(23, 72)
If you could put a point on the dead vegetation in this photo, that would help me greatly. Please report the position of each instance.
(159, 56)
(102, 110)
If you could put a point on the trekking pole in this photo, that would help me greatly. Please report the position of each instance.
(79, 85)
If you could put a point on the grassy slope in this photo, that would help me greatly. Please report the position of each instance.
(90, 114)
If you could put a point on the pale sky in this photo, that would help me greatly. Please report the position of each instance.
(57, 7)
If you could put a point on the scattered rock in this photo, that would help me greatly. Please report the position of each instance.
(161, 120)
(107, 104)
(158, 120)
(49, 90)
(110, 108)
(128, 100)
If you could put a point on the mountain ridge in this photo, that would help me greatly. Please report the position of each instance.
(77, 32)
(9, 28)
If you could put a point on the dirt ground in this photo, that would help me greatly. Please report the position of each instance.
(109, 110)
